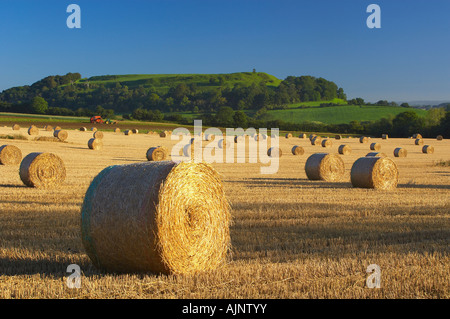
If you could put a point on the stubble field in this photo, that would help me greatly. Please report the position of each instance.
(291, 237)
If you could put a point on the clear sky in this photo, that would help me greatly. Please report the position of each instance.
(407, 59)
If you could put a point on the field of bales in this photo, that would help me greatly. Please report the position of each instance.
(291, 237)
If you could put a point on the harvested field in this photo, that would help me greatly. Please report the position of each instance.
(291, 237)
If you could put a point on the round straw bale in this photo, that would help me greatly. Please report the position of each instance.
(375, 146)
(428, 149)
(158, 153)
(83, 129)
(61, 135)
(128, 132)
(298, 150)
(418, 141)
(323, 166)
(439, 137)
(224, 144)
(135, 131)
(48, 128)
(42, 170)
(338, 137)
(98, 134)
(311, 136)
(174, 220)
(303, 135)
(372, 154)
(93, 129)
(344, 149)
(163, 134)
(16, 127)
(363, 139)
(416, 136)
(316, 140)
(274, 152)
(10, 155)
(327, 143)
(400, 152)
(117, 130)
(384, 136)
(33, 130)
(374, 172)
(95, 144)
(288, 135)
(57, 128)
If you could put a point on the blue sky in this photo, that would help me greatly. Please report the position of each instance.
(407, 59)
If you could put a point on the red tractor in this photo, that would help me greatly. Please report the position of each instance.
(96, 119)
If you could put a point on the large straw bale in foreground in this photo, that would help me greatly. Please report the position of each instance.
(428, 149)
(171, 218)
(344, 149)
(61, 135)
(42, 170)
(324, 166)
(95, 144)
(33, 130)
(298, 150)
(400, 152)
(374, 172)
(158, 153)
(10, 155)
(375, 146)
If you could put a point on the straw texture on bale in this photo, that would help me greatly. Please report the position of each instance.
(327, 143)
(42, 170)
(316, 140)
(10, 155)
(93, 129)
(158, 153)
(416, 136)
(311, 136)
(428, 149)
(439, 137)
(385, 136)
(303, 135)
(238, 139)
(363, 139)
(274, 152)
(400, 152)
(298, 150)
(98, 134)
(375, 146)
(48, 128)
(323, 166)
(344, 149)
(33, 130)
(83, 129)
(61, 135)
(57, 128)
(374, 172)
(418, 141)
(288, 135)
(173, 218)
(16, 127)
(128, 132)
(372, 154)
(224, 144)
(95, 144)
